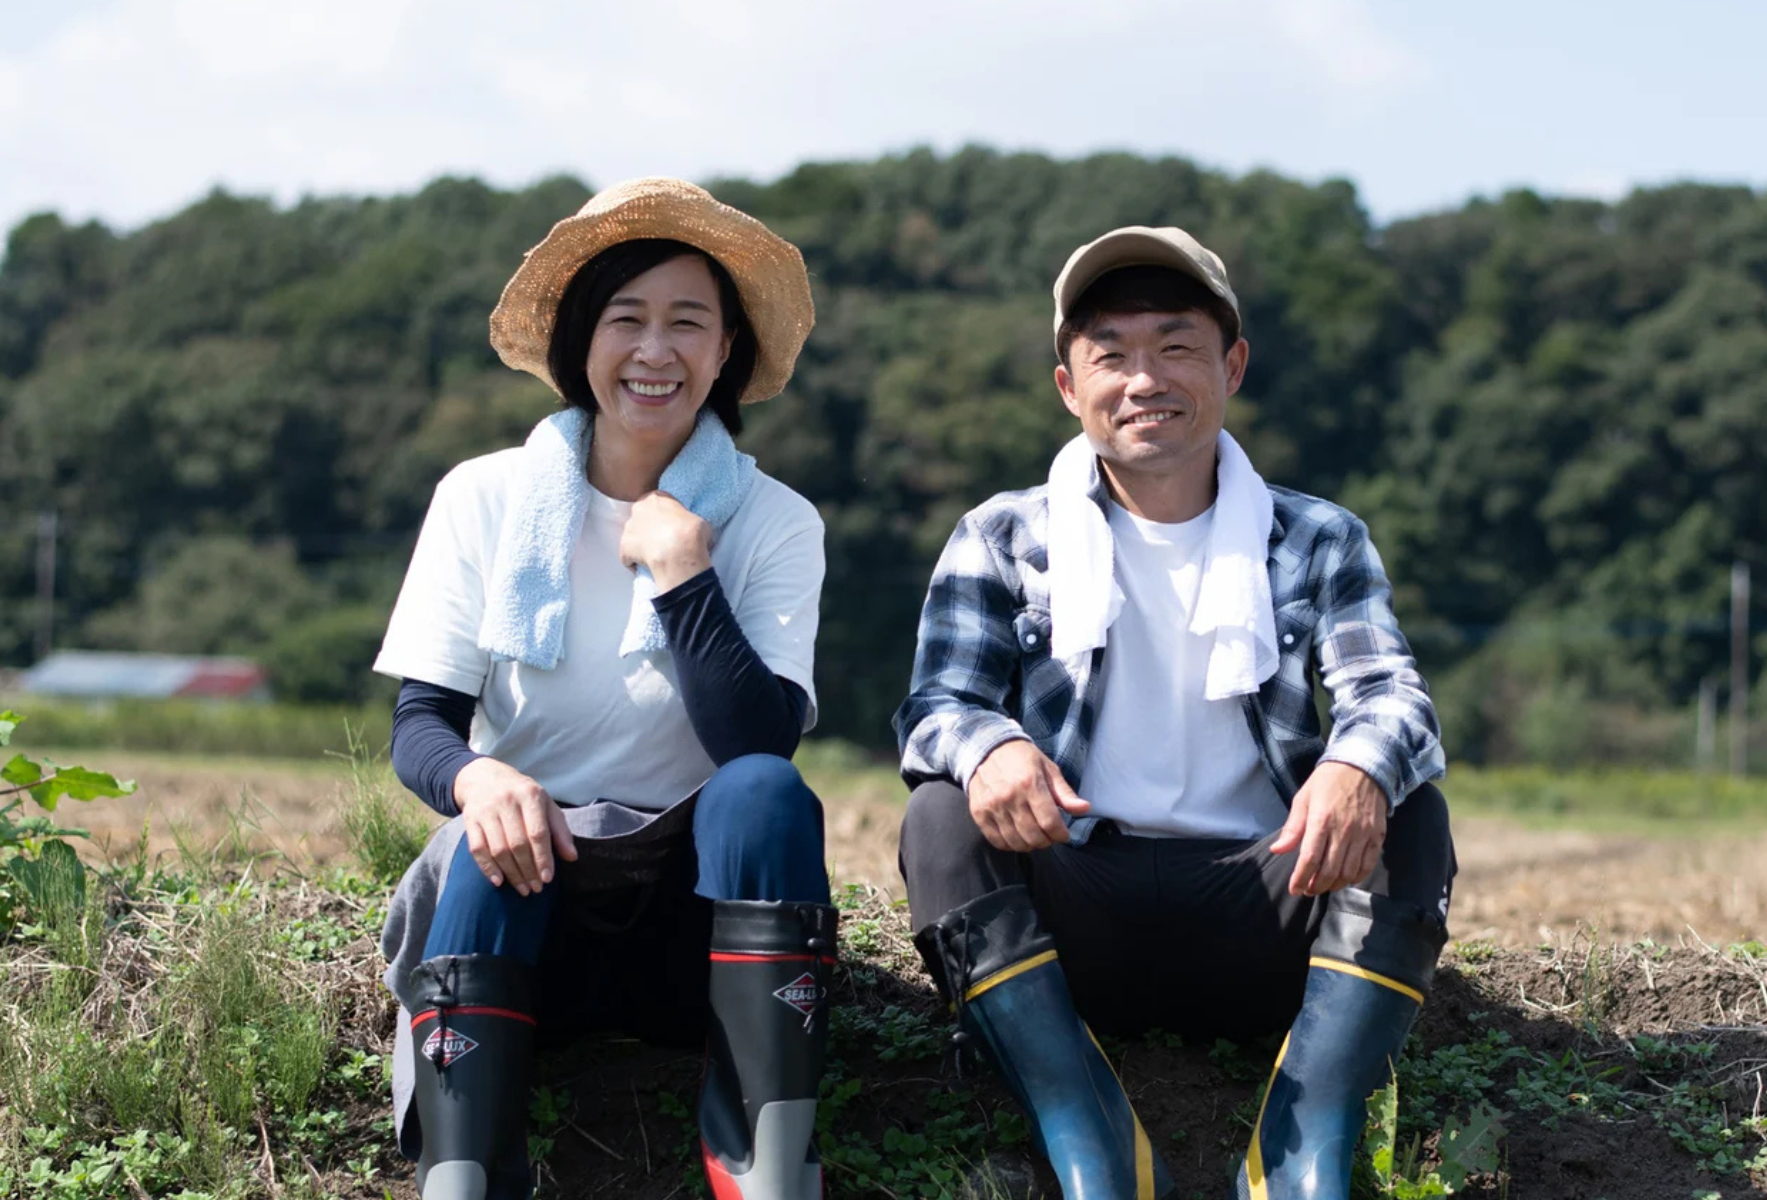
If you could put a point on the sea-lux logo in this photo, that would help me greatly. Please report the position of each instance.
(451, 1045)
(801, 993)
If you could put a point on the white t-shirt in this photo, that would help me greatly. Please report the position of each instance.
(597, 725)
(1165, 761)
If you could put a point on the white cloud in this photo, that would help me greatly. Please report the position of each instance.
(1346, 47)
(135, 108)
(130, 108)
(12, 87)
(232, 39)
(1596, 184)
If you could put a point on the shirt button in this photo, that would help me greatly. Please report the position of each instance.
(1288, 639)
(1030, 639)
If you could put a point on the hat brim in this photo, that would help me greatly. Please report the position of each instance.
(768, 270)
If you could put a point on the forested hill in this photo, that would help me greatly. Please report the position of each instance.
(1552, 413)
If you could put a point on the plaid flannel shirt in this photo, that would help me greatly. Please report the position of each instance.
(983, 673)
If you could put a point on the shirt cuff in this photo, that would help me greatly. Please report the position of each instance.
(978, 734)
(1370, 753)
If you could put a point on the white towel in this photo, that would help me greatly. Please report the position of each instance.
(1233, 603)
(529, 595)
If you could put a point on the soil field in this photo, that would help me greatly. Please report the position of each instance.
(1625, 1069)
(1520, 884)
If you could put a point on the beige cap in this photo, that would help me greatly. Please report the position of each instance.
(768, 272)
(1134, 246)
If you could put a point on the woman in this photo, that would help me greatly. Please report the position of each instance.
(605, 638)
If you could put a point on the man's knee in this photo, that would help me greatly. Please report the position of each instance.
(1417, 863)
(1419, 827)
(758, 798)
(937, 824)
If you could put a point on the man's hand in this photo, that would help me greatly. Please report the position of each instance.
(664, 535)
(1339, 820)
(513, 828)
(1017, 797)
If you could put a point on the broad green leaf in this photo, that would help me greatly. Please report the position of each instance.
(78, 783)
(1383, 1131)
(21, 771)
(1469, 1149)
(8, 722)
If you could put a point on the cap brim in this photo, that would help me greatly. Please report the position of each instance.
(1128, 248)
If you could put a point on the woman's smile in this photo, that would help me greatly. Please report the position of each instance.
(651, 392)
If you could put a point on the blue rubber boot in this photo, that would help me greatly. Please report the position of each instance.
(992, 959)
(1371, 968)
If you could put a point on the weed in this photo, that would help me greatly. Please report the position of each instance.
(1559, 1086)
(1390, 1166)
(166, 1053)
(386, 831)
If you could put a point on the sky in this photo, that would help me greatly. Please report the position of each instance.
(126, 110)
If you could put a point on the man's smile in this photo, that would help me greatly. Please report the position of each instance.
(1151, 417)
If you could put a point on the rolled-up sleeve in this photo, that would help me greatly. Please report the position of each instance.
(1382, 719)
(955, 714)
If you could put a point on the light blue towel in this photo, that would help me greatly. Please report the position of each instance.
(530, 589)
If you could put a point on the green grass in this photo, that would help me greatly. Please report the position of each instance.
(195, 727)
(386, 829)
(162, 1042)
(1628, 800)
(1658, 803)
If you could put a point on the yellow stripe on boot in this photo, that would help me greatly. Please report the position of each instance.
(1254, 1157)
(1003, 974)
(1332, 964)
(1143, 1147)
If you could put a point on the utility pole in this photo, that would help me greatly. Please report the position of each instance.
(1705, 741)
(47, 523)
(1739, 668)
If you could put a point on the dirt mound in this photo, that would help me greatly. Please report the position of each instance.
(1627, 1073)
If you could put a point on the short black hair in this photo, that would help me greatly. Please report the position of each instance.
(597, 281)
(1144, 288)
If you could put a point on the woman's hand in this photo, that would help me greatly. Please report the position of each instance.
(513, 828)
(664, 536)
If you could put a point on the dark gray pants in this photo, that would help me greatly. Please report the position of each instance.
(1197, 936)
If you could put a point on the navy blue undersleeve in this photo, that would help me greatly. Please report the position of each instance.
(735, 703)
(430, 728)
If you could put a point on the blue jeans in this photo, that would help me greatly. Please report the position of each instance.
(757, 835)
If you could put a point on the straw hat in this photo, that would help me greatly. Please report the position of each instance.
(768, 270)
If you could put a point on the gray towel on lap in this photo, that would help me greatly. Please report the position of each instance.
(617, 846)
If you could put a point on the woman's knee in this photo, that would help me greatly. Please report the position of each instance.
(474, 916)
(758, 795)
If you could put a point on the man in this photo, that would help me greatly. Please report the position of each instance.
(1124, 811)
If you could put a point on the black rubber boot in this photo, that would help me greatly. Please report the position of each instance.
(993, 961)
(1371, 968)
(766, 1036)
(472, 1037)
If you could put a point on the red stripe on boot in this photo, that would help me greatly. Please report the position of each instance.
(474, 1010)
(723, 1187)
(723, 956)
